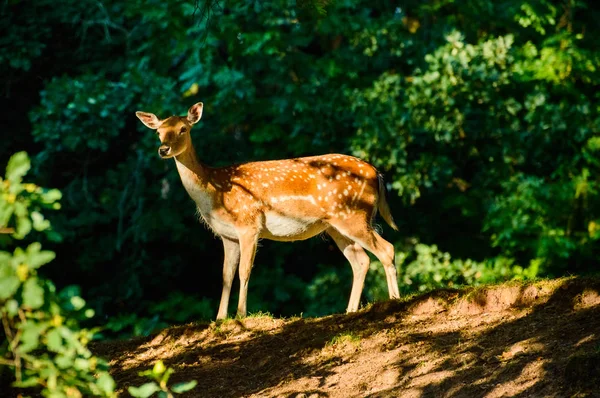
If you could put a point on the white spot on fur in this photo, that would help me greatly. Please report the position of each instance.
(308, 198)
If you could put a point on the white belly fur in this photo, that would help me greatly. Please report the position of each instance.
(279, 227)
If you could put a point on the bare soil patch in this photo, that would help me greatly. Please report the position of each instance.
(539, 339)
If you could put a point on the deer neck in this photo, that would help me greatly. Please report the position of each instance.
(195, 177)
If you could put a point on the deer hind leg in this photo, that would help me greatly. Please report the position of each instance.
(359, 260)
(248, 243)
(230, 264)
(360, 230)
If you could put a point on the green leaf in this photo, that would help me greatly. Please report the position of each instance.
(70, 291)
(4, 257)
(184, 386)
(19, 255)
(33, 248)
(63, 361)
(159, 368)
(77, 302)
(18, 165)
(6, 212)
(106, 383)
(39, 222)
(54, 341)
(41, 258)
(144, 390)
(26, 383)
(8, 285)
(81, 364)
(12, 307)
(33, 293)
(52, 380)
(52, 195)
(30, 337)
(54, 236)
(165, 377)
(23, 224)
(37, 257)
(20, 209)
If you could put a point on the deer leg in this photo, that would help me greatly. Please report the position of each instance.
(386, 256)
(384, 251)
(248, 242)
(230, 263)
(360, 231)
(359, 260)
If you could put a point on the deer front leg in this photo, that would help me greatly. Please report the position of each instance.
(230, 263)
(248, 242)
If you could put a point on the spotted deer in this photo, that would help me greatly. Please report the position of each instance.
(281, 200)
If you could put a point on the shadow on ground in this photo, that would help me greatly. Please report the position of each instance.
(539, 339)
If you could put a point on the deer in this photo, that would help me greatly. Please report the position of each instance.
(281, 200)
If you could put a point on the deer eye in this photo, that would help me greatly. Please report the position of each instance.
(183, 130)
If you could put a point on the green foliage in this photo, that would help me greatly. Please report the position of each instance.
(42, 340)
(328, 291)
(21, 204)
(160, 375)
(91, 102)
(426, 268)
(176, 308)
(483, 115)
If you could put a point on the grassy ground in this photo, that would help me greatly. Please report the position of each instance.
(538, 339)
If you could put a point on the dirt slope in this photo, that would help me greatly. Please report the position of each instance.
(535, 340)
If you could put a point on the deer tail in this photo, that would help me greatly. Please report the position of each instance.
(382, 205)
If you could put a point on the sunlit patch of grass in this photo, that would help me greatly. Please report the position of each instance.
(343, 338)
(222, 327)
(294, 318)
(221, 322)
(258, 314)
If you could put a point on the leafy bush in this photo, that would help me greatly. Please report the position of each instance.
(41, 338)
(21, 203)
(426, 268)
(160, 375)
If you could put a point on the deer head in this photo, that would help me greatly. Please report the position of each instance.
(174, 131)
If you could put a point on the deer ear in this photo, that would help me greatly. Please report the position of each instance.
(195, 113)
(149, 119)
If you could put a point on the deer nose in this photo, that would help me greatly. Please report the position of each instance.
(164, 150)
